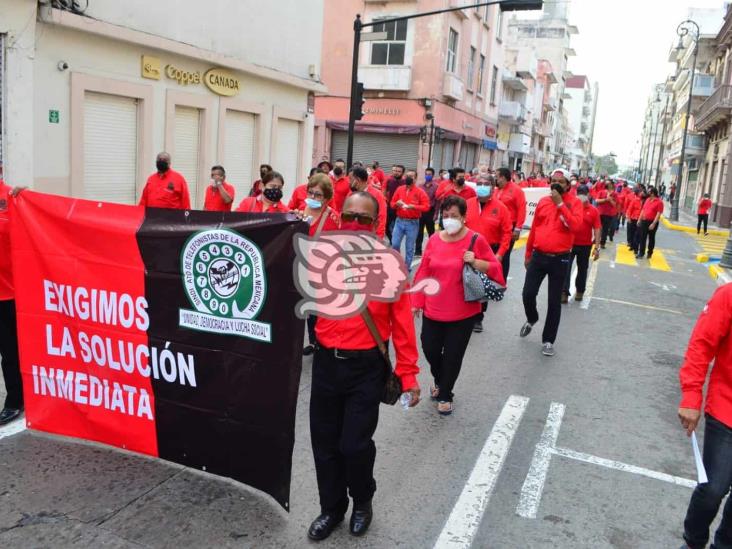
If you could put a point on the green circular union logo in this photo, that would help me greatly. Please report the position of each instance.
(223, 274)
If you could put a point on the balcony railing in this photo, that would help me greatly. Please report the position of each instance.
(715, 109)
(513, 111)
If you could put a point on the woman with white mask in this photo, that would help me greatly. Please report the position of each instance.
(449, 319)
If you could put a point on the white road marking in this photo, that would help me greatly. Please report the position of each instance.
(572, 287)
(619, 466)
(534, 484)
(590, 287)
(466, 515)
(664, 287)
(639, 305)
(17, 426)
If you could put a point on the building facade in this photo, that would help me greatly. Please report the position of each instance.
(443, 69)
(658, 118)
(88, 99)
(581, 109)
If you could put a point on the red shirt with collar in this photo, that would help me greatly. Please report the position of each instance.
(341, 189)
(7, 291)
(256, 205)
(552, 231)
(379, 175)
(515, 200)
(393, 320)
(492, 219)
(652, 207)
(214, 202)
(633, 207)
(704, 205)
(584, 234)
(607, 208)
(332, 221)
(711, 341)
(297, 201)
(167, 190)
(413, 196)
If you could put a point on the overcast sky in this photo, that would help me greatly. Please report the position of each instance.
(624, 45)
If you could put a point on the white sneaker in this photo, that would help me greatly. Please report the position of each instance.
(547, 349)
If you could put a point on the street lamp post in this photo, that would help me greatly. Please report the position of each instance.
(685, 28)
(358, 26)
(663, 140)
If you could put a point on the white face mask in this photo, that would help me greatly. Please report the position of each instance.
(445, 176)
(583, 198)
(452, 226)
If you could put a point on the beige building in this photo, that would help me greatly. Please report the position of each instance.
(89, 98)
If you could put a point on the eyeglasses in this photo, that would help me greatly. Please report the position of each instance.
(316, 195)
(362, 219)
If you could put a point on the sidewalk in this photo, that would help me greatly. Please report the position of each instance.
(687, 222)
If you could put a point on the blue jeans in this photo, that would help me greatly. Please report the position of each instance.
(405, 228)
(706, 498)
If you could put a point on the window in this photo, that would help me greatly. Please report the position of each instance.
(452, 47)
(391, 50)
(499, 24)
(486, 14)
(481, 68)
(494, 85)
(471, 68)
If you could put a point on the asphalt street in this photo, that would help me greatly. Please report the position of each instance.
(580, 450)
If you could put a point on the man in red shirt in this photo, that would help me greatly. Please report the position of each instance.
(360, 183)
(166, 188)
(649, 217)
(378, 174)
(515, 200)
(606, 202)
(341, 185)
(632, 213)
(348, 381)
(219, 194)
(409, 202)
(711, 341)
(8, 324)
(585, 235)
(703, 213)
(548, 252)
(490, 217)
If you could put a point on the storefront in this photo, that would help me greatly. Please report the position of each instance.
(109, 105)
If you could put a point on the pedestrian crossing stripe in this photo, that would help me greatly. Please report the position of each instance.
(712, 245)
(624, 256)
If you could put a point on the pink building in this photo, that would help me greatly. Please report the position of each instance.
(446, 66)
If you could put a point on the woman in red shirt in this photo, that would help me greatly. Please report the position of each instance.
(270, 201)
(321, 217)
(703, 213)
(449, 319)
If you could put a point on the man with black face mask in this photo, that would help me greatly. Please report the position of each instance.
(166, 188)
(409, 202)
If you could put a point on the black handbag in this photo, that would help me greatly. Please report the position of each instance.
(477, 286)
(392, 385)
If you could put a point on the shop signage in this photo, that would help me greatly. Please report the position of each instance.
(490, 131)
(393, 111)
(150, 67)
(221, 82)
(181, 76)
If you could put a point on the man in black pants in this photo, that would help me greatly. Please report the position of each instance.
(8, 326)
(548, 251)
(648, 224)
(588, 232)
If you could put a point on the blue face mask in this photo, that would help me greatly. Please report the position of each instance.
(484, 191)
(428, 178)
(313, 204)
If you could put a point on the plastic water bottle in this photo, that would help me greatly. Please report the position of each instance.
(405, 400)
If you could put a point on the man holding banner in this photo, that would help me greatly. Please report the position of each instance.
(8, 325)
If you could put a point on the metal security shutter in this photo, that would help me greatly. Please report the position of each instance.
(110, 148)
(2, 86)
(287, 155)
(386, 149)
(467, 155)
(187, 148)
(239, 151)
(448, 154)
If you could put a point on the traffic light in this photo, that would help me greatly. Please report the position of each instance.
(358, 102)
(521, 5)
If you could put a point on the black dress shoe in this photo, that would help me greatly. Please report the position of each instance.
(308, 350)
(9, 414)
(361, 519)
(323, 526)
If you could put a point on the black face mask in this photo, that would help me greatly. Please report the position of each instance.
(273, 195)
(460, 181)
(398, 176)
(262, 174)
(162, 165)
(338, 172)
(409, 181)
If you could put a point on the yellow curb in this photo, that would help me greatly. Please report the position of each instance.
(715, 271)
(702, 258)
(691, 230)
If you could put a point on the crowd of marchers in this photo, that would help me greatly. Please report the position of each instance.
(473, 220)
